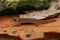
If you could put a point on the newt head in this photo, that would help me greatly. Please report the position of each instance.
(16, 19)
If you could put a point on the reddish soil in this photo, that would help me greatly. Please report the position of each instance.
(28, 31)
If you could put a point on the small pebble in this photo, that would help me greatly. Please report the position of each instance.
(14, 32)
(27, 35)
(5, 31)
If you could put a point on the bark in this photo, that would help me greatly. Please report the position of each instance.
(51, 12)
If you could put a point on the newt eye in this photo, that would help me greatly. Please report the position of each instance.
(17, 19)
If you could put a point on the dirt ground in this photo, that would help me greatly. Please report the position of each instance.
(27, 31)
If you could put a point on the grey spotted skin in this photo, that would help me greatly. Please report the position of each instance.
(34, 21)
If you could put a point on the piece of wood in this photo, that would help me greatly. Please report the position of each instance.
(38, 17)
